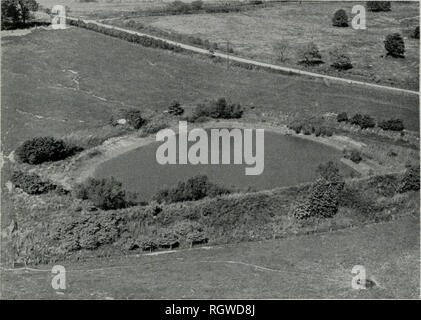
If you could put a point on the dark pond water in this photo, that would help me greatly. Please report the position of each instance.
(288, 161)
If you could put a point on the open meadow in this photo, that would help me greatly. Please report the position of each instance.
(254, 33)
(56, 82)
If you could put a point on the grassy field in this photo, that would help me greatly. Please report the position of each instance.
(112, 7)
(56, 82)
(252, 34)
(312, 266)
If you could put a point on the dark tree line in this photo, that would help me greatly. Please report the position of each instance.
(16, 13)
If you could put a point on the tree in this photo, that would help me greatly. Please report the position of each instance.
(394, 45)
(26, 6)
(340, 18)
(10, 13)
(17, 12)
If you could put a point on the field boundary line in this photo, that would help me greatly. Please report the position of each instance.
(227, 56)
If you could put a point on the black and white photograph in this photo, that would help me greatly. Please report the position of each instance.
(230, 150)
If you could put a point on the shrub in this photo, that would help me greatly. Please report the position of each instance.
(385, 186)
(392, 125)
(300, 210)
(193, 189)
(324, 198)
(307, 129)
(342, 117)
(309, 54)
(377, 6)
(355, 156)
(416, 33)
(175, 109)
(364, 121)
(43, 149)
(153, 127)
(134, 118)
(394, 45)
(328, 132)
(410, 180)
(296, 126)
(104, 193)
(340, 60)
(31, 183)
(340, 18)
(329, 171)
(146, 243)
(197, 4)
(218, 109)
(178, 7)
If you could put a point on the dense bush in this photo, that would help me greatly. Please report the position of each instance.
(31, 183)
(364, 121)
(309, 54)
(193, 189)
(377, 6)
(385, 186)
(353, 155)
(394, 45)
(105, 193)
(410, 180)
(300, 210)
(296, 126)
(329, 171)
(340, 60)
(197, 4)
(43, 149)
(218, 109)
(324, 198)
(179, 7)
(340, 18)
(153, 127)
(175, 109)
(342, 117)
(134, 118)
(87, 231)
(416, 33)
(392, 125)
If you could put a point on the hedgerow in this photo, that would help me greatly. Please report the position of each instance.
(135, 38)
(217, 109)
(392, 125)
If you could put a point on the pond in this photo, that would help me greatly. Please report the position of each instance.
(288, 160)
